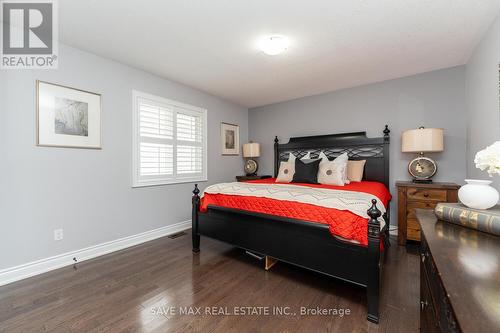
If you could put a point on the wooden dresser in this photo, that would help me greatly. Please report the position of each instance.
(412, 196)
(459, 277)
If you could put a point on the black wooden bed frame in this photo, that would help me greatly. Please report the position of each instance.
(307, 244)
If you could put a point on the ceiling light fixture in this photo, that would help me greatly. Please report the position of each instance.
(274, 45)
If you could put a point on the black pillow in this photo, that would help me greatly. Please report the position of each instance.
(306, 172)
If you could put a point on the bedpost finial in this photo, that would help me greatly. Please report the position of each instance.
(196, 190)
(276, 140)
(374, 212)
(386, 131)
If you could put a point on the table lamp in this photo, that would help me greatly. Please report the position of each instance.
(250, 151)
(422, 140)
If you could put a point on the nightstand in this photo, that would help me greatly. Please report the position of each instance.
(245, 178)
(417, 195)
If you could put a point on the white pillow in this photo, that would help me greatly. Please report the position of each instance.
(333, 172)
(342, 160)
(287, 170)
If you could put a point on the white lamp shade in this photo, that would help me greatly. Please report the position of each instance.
(423, 140)
(251, 149)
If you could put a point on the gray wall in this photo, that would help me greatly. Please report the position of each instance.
(88, 192)
(434, 99)
(483, 111)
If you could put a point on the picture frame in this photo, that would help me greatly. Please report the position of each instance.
(67, 117)
(230, 139)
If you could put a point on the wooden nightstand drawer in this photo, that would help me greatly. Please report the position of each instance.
(426, 194)
(413, 234)
(413, 196)
(412, 205)
(413, 224)
(413, 229)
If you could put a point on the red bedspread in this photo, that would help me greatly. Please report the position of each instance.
(341, 222)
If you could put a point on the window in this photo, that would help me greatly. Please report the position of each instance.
(170, 141)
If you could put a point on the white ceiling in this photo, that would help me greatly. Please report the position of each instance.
(335, 44)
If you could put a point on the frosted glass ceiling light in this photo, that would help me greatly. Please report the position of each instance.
(274, 45)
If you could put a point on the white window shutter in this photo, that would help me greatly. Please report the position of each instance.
(189, 160)
(156, 159)
(156, 121)
(189, 143)
(170, 141)
(189, 127)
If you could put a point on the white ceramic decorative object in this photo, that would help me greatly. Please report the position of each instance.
(478, 194)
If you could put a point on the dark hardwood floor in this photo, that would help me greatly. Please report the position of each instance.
(132, 290)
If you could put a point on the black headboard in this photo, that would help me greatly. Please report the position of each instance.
(357, 145)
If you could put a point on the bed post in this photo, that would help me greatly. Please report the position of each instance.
(387, 220)
(276, 156)
(386, 215)
(194, 219)
(373, 283)
(387, 140)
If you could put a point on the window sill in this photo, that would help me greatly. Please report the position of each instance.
(138, 185)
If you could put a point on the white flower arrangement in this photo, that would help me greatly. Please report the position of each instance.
(489, 159)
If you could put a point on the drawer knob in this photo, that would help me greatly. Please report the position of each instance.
(423, 257)
(426, 194)
(423, 304)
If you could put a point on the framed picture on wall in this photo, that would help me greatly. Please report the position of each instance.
(67, 117)
(230, 139)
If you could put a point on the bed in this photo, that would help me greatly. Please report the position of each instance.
(297, 239)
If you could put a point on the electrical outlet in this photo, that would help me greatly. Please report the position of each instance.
(58, 234)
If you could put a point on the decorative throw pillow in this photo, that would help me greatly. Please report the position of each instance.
(330, 172)
(355, 170)
(287, 170)
(307, 158)
(306, 172)
(333, 172)
(342, 161)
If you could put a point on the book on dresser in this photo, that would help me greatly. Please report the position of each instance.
(486, 220)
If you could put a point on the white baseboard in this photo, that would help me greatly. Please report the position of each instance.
(393, 232)
(24, 271)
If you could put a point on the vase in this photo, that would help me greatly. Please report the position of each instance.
(478, 194)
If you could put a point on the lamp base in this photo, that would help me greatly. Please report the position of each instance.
(422, 181)
(251, 167)
(422, 169)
